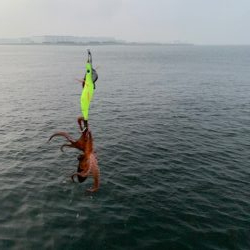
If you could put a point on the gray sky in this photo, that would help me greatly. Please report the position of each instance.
(194, 21)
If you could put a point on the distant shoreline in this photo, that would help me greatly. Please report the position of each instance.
(80, 41)
(102, 44)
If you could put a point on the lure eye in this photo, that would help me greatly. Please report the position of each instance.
(88, 70)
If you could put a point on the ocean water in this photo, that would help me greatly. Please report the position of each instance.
(171, 127)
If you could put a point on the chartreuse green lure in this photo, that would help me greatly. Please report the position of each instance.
(87, 92)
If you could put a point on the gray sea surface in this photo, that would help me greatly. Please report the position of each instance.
(171, 127)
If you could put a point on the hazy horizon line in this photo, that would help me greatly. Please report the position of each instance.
(118, 40)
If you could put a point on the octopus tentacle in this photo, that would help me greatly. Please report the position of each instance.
(81, 174)
(66, 145)
(72, 177)
(80, 120)
(64, 134)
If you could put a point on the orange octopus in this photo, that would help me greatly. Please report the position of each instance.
(88, 165)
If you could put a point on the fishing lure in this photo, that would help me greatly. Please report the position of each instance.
(87, 92)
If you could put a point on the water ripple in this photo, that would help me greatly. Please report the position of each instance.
(172, 147)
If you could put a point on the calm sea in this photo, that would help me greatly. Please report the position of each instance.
(171, 127)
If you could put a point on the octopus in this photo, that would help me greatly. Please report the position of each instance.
(88, 164)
